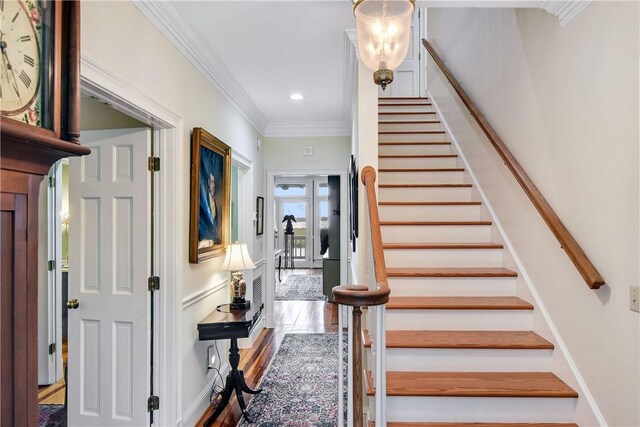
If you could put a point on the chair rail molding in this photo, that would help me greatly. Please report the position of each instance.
(171, 21)
(565, 11)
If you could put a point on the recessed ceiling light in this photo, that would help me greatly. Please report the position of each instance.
(296, 97)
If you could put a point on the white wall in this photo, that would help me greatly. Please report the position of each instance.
(565, 101)
(329, 152)
(118, 37)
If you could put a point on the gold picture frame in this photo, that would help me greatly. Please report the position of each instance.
(209, 208)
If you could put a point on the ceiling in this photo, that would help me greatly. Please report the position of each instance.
(257, 53)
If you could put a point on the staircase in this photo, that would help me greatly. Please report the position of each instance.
(460, 345)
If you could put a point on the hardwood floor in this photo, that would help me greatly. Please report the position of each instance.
(290, 317)
(54, 394)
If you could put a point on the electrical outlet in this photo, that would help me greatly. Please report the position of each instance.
(634, 298)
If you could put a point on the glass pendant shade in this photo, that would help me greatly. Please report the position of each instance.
(384, 31)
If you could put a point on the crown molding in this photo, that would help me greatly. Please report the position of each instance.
(172, 22)
(565, 11)
(308, 129)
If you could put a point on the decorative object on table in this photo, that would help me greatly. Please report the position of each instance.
(236, 260)
(301, 287)
(301, 386)
(289, 227)
(353, 201)
(210, 196)
(384, 30)
(260, 212)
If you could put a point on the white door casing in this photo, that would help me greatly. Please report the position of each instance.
(406, 79)
(109, 207)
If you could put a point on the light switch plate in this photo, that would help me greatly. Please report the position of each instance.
(634, 298)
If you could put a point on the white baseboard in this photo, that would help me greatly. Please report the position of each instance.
(201, 402)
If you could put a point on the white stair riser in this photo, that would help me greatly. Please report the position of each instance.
(405, 108)
(430, 213)
(480, 409)
(436, 233)
(432, 124)
(414, 149)
(400, 117)
(413, 137)
(443, 257)
(459, 320)
(467, 360)
(383, 100)
(455, 177)
(425, 194)
(472, 286)
(419, 162)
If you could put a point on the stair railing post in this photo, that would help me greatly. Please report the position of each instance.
(358, 418)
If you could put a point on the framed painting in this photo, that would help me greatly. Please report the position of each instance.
(260, 212)
(210, 196)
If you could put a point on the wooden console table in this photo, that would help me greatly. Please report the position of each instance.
(224, 323)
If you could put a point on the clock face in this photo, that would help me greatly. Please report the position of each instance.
(20, 61)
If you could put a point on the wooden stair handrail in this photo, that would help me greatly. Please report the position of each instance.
(362, 296)
(585, 267)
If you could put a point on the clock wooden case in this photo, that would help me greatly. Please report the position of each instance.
(39, 124)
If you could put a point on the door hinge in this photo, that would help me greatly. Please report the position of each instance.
(51, 265)
(52, 181)
(154, 164)
(153, 403)
(52, 348)
(154, 283)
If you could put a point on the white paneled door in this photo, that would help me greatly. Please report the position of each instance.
(406, 79)
(109, 252)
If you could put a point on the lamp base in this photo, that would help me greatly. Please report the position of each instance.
(240, 305)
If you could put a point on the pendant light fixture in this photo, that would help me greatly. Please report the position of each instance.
(384, 29)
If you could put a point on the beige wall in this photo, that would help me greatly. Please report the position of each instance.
(118, 37)
(329, 152)
(565, 100)
(96, 115)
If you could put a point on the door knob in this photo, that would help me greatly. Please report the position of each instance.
(72, 304)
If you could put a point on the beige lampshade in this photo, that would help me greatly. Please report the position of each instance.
(237, 258)
(384, 29)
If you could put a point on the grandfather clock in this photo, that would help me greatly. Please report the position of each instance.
(39, 124)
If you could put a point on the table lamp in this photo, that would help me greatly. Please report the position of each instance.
(236, 260)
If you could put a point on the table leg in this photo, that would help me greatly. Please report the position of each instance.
(279, 266)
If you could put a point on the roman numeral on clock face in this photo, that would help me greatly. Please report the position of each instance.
(29, 60)
(25, 38)
(25, 78)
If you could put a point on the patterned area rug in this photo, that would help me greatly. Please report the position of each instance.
(303, 287)
(301, 386)
(52, 416)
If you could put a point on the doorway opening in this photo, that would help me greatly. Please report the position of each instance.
(96, 253)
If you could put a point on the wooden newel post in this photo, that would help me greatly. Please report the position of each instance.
(357, 368)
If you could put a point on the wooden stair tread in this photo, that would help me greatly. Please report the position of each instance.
(476, 384)
(490, 340)
(445, 424)
(405, 112)
(382, 98)
(405, 104)
(425, 185)
(457, 303)
(421, 170)
(447, 245)
(434, 223)
(411, 132)
(438, 203)
(417, 156)
(415, 143)
(450, 272)
(407, 122)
